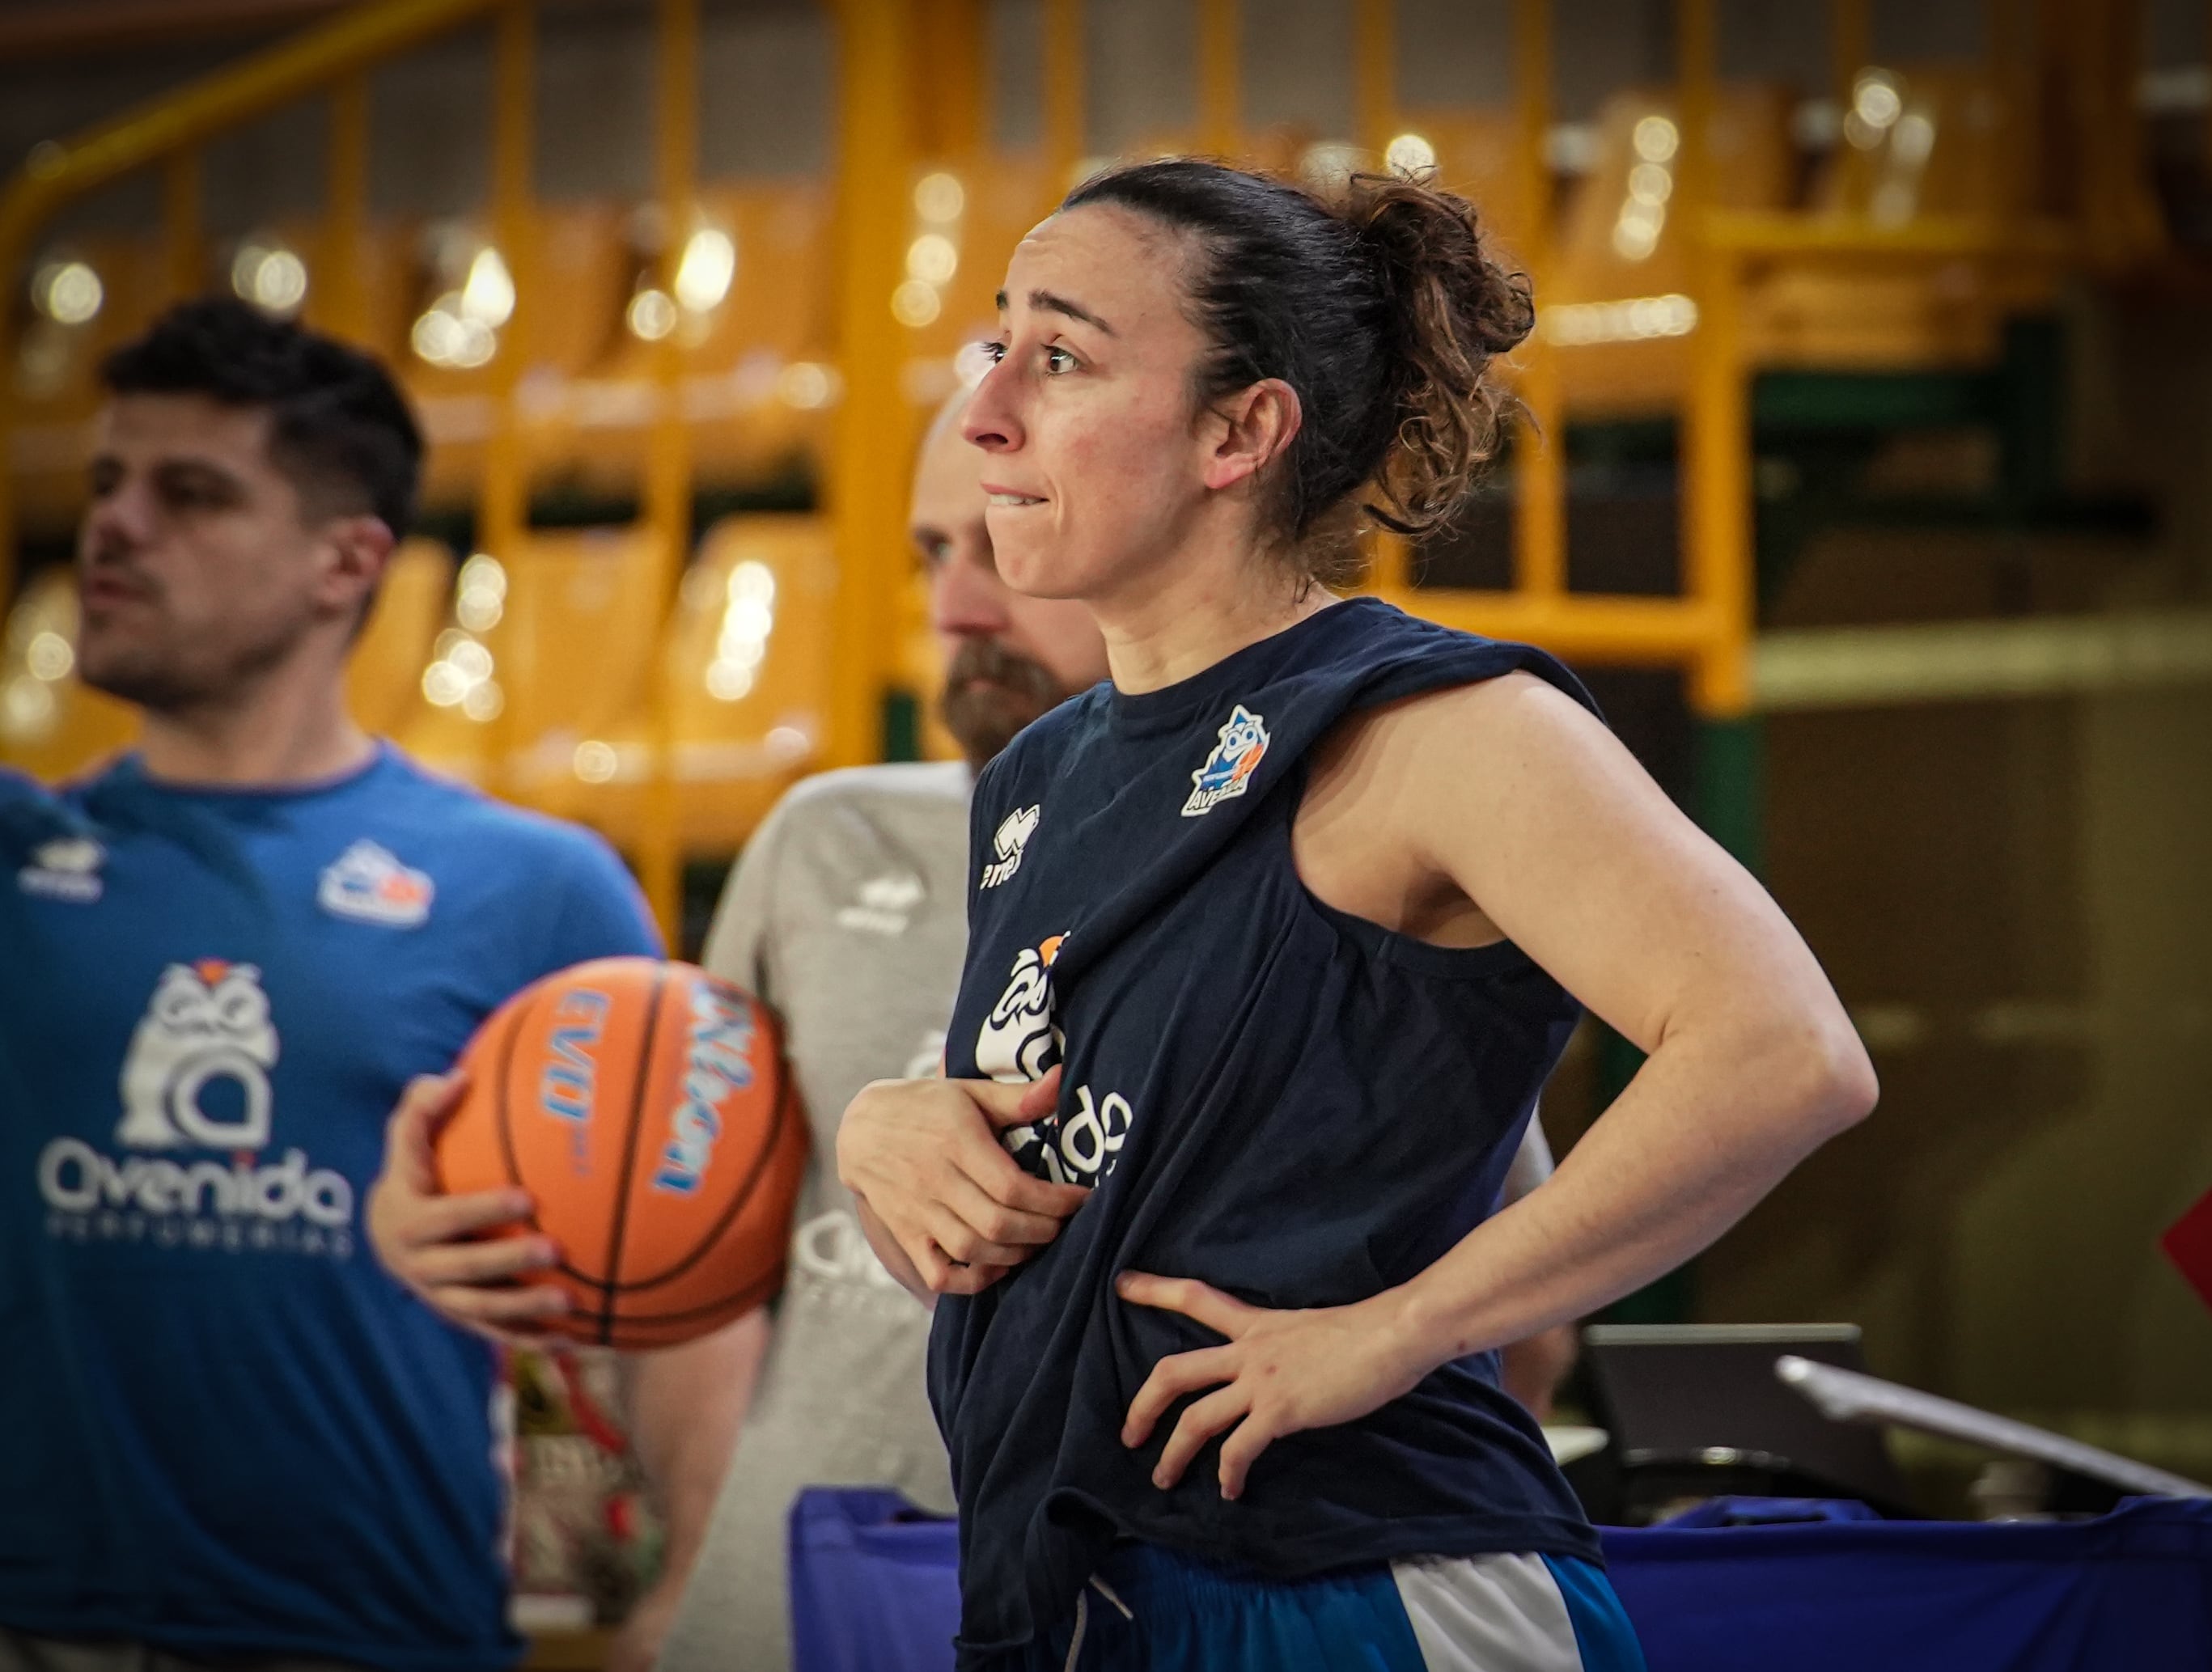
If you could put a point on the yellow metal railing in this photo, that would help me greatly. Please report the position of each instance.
(884, 51)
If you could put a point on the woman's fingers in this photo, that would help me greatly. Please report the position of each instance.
(1253, 1436)
(978, 1154)
(1041, 1098)
(962, 1243)
(991, 1218)
(1224, 1314)
(1201, 1423)
(1171, 1379)
(489, 1262)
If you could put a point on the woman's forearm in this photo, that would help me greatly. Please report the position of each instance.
(1709, 1125)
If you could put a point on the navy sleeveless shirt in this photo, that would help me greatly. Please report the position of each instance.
(1290, 1103)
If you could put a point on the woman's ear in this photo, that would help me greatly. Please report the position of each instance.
(1257, 427)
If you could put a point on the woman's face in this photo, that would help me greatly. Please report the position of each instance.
(1095, 460)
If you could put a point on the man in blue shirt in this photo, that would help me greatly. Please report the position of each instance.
(227, 1435)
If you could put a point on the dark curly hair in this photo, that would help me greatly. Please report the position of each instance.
(1381, 305)
(339, 428)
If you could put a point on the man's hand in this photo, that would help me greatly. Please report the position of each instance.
(429, 1242)
(1278, 1372)
(924, 1155)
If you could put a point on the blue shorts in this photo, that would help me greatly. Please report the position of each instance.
(1151, 1611)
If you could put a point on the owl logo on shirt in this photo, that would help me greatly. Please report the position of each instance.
(1019, 1041)
(209, 1022)
(1228, 771)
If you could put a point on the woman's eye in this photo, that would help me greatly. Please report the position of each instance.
(1057, 360)
(993, 352)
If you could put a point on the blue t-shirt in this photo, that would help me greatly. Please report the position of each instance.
(224, 1428)
(1291, 1104)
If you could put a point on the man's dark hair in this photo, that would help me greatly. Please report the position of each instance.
(339, 428)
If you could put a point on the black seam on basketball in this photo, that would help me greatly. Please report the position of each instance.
(744, 1300)
(524, 1004)
(643, 1077)
(765, 1152)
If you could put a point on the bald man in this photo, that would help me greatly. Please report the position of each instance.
(848, 914)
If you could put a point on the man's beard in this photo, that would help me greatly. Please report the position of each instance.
(990, 693)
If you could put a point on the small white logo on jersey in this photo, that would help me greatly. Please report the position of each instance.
(1011, 837)
(1018, 1040)
(67, 868)
(209, 1021)
(369, 885)
(884, 905)
(1228, 771)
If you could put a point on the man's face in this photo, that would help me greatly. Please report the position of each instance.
(198, 566)
(1008, 658)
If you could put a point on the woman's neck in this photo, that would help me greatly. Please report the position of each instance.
(1204, 603)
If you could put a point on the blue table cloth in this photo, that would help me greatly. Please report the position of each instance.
(874, 1589)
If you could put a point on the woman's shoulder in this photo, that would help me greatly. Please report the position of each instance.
(1384, 655)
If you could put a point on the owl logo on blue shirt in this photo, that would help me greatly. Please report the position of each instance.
(1229, 769)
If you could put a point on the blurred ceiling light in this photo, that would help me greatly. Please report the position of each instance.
(1409, 154)
(651, 315)
(1656, 138)
(448, 335)
(443, 684)
(488, 295)
(49, 656)
(1651, 183)
(727, 682)
(42, 360)
(932, 258)
(1875, 100)
(27, 708)
(270, 274)
(1328, 163)
(807, 384)
(1636, 233)
(483, 571)
(704, 274)
(748, 617)
(462, 669)
(915, 304)
(595, 762)
(69, 293)
(1638, 319)
(471, 659)
(1912, 139)
(939, 197)
(751, 581)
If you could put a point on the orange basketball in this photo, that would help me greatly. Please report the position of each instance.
(645, 1108)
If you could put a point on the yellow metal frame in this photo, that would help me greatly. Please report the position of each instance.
(1707, 630)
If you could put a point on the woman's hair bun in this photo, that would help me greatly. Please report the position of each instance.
(1456, 307)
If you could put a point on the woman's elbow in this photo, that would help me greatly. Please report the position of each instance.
(1835, 1079)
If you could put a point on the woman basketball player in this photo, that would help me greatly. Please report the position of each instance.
(1274, 939)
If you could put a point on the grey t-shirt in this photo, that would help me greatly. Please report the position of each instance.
(847, 915)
